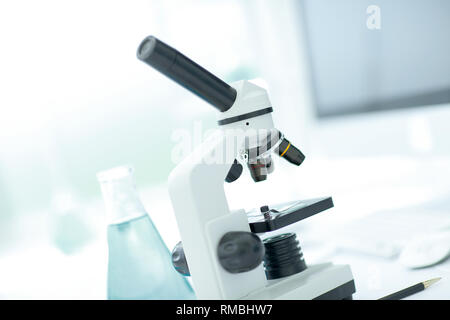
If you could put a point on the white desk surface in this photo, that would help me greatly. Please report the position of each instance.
(378, 277)
(45, 273)
(36, 270)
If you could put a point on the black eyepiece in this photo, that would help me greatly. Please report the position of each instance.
(186, 73)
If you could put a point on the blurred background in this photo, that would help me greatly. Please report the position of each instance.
(370, 108)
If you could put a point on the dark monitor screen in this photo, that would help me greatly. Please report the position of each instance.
(364, 59)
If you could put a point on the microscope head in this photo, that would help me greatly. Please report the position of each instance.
(244, 107)
(251, 117)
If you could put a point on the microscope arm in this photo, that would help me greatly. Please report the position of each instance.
(196, 188)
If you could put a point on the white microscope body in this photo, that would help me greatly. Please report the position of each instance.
(196, 188)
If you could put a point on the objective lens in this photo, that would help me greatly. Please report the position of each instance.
(287, 151)
(260, 168)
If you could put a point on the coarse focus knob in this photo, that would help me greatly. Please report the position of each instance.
(240, 251)
(179, 260)
(284, 257)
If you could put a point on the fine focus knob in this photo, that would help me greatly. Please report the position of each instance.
(179, 260)
(240, 251)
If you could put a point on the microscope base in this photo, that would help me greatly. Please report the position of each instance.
(322, 282)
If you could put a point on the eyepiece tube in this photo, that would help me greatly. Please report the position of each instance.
(186, 73)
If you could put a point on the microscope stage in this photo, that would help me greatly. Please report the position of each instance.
(284, 214)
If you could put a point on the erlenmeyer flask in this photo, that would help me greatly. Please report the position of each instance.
(139, 263)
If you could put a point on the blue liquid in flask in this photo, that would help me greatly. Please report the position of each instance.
(139, 263)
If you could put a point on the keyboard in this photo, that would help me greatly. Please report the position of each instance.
(384, 234)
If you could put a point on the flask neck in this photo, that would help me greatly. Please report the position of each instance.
(120, 195)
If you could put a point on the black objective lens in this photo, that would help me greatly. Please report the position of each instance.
(260, 168)
(287, 151)
(235, 172)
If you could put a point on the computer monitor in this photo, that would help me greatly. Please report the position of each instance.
(365, 57)
(380, 88)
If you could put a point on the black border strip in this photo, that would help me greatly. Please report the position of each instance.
(245, 116)
(342, 292)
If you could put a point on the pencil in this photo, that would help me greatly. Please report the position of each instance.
(411, 290)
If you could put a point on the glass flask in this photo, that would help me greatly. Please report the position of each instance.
(139, 263)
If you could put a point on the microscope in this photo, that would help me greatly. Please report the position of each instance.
(222, 249)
